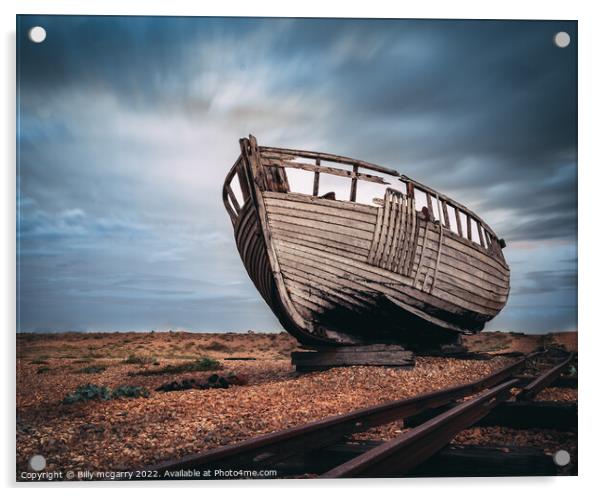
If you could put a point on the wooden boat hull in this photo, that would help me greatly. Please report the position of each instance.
(341, 272)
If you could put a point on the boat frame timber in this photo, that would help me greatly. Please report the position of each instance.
(320, 262)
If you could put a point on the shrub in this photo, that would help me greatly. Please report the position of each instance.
(83, 360)
(199, 365)
(126, 391)
(139, 359)
(42, 370)
(39, 362)
(88, 392)
(93, 369)
(217, 346)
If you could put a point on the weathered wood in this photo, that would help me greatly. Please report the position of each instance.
(353, 194)
(316, 187)
(327, 170)
(429, 204)
(329, 157)
(341, 205)
(480, 230)
(450, 201)
(452, 461)
(561, 416)
(327, 208)
(315, 259)
(379, 355)
(368, 275)
(487, 461)
(458, 221)
(317, 215)
(533, 415)
(445, 214)
(565, 382)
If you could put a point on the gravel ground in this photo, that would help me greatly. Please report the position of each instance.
(126, 433)
(131, 433)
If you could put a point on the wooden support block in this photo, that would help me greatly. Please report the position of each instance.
(451, 461)
(377, 355)
(487, 461)
(556, 415)
(561, 416)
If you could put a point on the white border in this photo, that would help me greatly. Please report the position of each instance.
(590, 163)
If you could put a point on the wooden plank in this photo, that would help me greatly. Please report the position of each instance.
(329, 157)
(304, 240)
(383, 281)
(466, 262)
(566, 382)
(469, 227)
(454, 460)
(401, 235)
(332, 210)
(445, 214)
(429, 203)
(471, 297)
(316, 187)
(324, 282)
(320, 360)
(480, 230)
(458, 221)
(555, 415)
(412, 240)
(470, 290)
(243, 181)
(320, 234)
(487, 461)
(252, 161)
(327, 170)
(394, 229)
(353, 194)
(233, 199)
(449, 200)
(338, 204)
(471, 274)
(349, 221)
(324, 226)
(472, 250)
(376, 237)
(323, 289)
(384, 232)
(421, 258)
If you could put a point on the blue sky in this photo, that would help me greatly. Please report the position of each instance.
(128, 125)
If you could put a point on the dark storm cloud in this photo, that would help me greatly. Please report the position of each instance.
(128, 125)
(547, 281)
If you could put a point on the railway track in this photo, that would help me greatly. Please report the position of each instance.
(434, 419)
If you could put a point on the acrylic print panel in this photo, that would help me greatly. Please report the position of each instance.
(285, 233)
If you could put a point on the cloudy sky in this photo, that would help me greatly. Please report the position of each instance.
(128, 125)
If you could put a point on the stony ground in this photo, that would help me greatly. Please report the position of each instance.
(134, 432)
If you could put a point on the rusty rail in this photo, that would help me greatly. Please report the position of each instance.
(393, 458)
(544, 380)
(399, 456)
(270, 448)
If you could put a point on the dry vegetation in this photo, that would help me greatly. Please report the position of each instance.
(130, 432)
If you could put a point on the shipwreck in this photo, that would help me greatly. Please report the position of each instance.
(352, 253)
